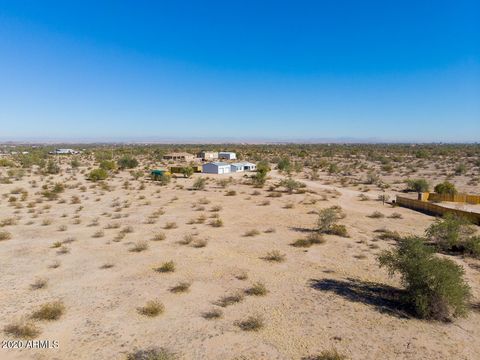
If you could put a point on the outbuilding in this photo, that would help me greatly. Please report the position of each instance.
(208, 155)
(227, 155)
(216, 168)
(180, 156)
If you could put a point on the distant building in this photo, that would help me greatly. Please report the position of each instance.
(180, 156)
(64, 152)
(227, 155)
(216, 168)
(243, 166)
(208, 155)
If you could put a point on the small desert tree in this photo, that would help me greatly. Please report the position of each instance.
(417, 185)
(435, 287)
(127, 162)
(187, 171)
(260, 177)
(327, 221)
(52, 167)
(291, 185)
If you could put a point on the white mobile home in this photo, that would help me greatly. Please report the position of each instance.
(243, 166)
(227, 155)
(216, 168)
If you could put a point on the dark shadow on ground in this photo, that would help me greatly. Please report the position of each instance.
(383, 298)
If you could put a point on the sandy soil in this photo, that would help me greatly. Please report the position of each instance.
(327, 296)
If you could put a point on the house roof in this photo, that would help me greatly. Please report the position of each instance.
(218, 163)
(178, 154)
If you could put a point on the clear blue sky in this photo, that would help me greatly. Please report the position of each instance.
(394, 70)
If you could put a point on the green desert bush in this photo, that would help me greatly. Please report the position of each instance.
(450, 233)
(97, 175)
(435, 287)
(445, 188)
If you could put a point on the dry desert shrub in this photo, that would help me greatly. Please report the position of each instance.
(166, 267)
(8, 222)
(63, 250)
(38, 284)
(213, 314)
(139, 246)
(180, 287)
(216, 223)
(98, 234)
(251, 323)
(327, 355)
(376, 215)
(5, 235)
(242, 276)
(22, 329)
(170, 225)
(160, 236)
(200, 243)
(395, 215)
(257, 289)
(274, 256)
(152, 308)
(253, 232)
(153, 353)
(228, 300)
(49, 311)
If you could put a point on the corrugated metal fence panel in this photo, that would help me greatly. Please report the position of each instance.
(434, 209)
(465, 198)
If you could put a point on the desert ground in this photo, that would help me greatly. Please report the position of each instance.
(101, 248)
